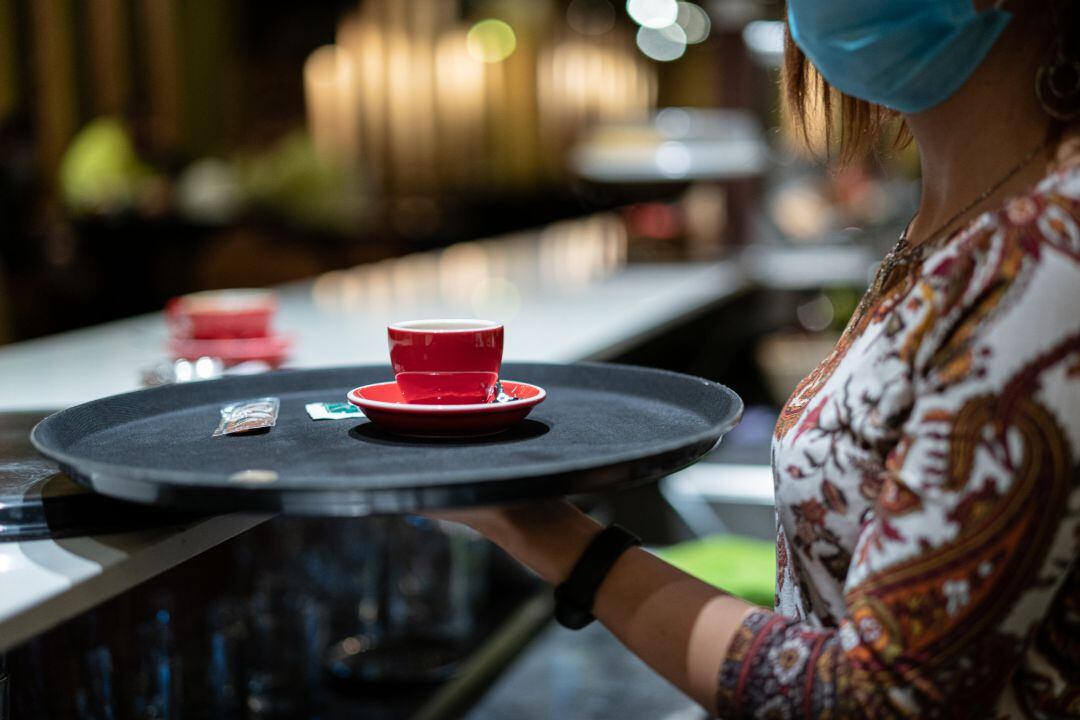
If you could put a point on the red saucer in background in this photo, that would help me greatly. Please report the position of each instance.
(272, 349)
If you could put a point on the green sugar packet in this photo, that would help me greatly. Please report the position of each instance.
(333, 411)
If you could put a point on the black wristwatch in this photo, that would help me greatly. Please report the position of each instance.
(574, 598)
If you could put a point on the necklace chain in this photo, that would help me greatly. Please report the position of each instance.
(892, 260)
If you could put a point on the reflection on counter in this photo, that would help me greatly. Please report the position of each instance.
(298, 618)
(487, 276)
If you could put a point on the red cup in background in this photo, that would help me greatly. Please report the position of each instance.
(446, 362)
(221, 314)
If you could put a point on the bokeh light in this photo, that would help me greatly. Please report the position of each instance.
(673, 159)
(694, 21)
(653, 13)
(329, 80)
(674, 122)
(765, 40)
(491, 41)
(664, 44)
(816, 314)
(497, 298)
(591, 17)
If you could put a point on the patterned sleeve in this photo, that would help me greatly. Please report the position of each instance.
(977, 524)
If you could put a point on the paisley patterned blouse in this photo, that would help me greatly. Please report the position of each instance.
(928, 491)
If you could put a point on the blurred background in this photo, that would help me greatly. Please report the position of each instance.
(155, 147)
(615, 180)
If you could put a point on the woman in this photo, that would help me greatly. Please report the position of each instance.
(927, 488)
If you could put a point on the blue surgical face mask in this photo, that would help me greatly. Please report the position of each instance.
(908, 55)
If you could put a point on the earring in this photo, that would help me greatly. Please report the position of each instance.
(1057, 84)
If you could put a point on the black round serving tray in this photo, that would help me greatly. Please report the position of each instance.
(602, 427)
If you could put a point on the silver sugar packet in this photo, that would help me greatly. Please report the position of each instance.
(248, 416)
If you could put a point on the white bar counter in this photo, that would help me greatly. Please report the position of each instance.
(560, 301)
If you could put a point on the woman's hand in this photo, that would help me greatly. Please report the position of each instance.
(677, 624)
(475, 518)
(548, 536)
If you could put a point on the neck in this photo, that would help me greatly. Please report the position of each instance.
(972, 140)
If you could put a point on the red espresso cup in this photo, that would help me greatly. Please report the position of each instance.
(446, 362)
(222, 314)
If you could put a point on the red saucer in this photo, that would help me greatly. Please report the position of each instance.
(382, 404)
(272, 349)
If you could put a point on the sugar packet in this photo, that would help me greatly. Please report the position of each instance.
(247, 416)
(333, 411)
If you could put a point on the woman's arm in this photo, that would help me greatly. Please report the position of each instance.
(677, 624)
(959, 563)
(974, 531)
